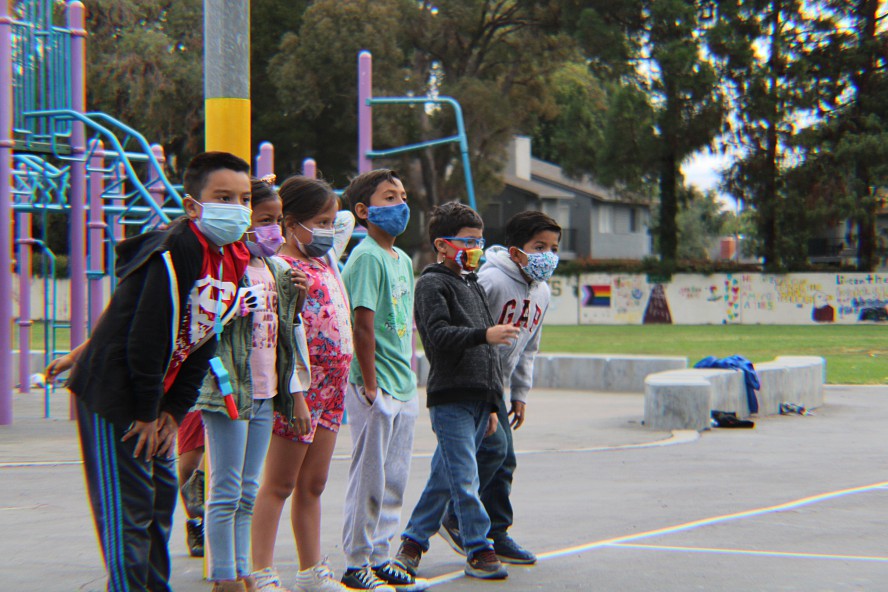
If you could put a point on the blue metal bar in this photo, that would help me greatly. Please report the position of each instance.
(410, 147)
(460, 136)
(111, 138)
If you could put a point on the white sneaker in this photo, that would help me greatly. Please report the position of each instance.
(318, 578)
(268, 580)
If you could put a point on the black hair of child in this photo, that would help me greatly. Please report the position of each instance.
(304, 198)
(523, 226)
(449, 218)
(362, 187)
(200, 167)
(261, 192)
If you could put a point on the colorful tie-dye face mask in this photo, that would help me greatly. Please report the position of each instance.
(467, 258)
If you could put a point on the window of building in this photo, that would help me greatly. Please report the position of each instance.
(605, 219)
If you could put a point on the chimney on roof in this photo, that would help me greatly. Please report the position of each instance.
(519, 157)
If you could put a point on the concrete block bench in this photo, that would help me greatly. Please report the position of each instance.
(587, 372)
(684, 399)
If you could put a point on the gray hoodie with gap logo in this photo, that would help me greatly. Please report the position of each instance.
(514, 301)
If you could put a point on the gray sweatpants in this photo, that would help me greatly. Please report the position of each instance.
(382, 446)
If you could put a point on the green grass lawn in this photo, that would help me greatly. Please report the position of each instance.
(855, 354)
(63, 337)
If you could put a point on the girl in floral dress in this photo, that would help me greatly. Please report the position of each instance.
(305, 428)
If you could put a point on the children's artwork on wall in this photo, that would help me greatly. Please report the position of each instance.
(657, 311)
(599, 295)
(822, 311)
(738, 298)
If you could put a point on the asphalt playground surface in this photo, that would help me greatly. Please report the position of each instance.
(796, 504)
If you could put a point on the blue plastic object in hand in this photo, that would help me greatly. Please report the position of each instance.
(224, 380)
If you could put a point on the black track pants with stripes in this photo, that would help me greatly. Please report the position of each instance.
(132, 502)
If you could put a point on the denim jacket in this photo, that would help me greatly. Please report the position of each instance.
(235, 345)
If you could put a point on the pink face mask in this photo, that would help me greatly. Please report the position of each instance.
(268, 240)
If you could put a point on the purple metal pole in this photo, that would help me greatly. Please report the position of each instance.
(96, 232)
(155, 187)
(365, 117)
(23, 225)
(6, 145)
(77, 196)
(310, 168)
(265, 160)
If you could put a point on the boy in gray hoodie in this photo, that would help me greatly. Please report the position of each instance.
(514, 278)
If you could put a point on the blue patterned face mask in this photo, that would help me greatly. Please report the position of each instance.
(540, 266)
(392, 219)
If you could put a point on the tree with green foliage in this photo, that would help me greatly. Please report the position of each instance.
(847, 150)
(676, 104)
(700, 222)
(768, 52)
(144, 67)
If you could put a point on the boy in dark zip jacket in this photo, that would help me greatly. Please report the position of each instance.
(139, 373)
(464, 390)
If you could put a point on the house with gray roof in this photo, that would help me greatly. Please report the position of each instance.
(597, 222)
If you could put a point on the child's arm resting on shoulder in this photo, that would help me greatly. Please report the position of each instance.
(150, 341)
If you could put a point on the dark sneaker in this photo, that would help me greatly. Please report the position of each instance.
(394, 573)
(409, 555)
(508, 551)
(193, 494)
(450, 532)
(363, 578)
(483, 564)
(195, 536)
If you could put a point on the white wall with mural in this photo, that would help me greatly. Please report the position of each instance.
(742, 298)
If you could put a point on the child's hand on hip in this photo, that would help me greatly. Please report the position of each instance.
(146, 434)
(492, 423)
(502, 334)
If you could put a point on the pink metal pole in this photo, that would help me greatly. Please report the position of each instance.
(97, 227)
(155, 187)
(365, 117)
(23, 224)
(6, 145)
(77, 196)
(265, 160)
(310, 168)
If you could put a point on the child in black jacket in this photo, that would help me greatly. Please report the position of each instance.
(140, 372)
(465, 388)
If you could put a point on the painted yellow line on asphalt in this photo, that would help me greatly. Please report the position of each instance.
(622, 540)
(753, 552)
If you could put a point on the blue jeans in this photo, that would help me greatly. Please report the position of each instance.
(237, 450)
(496, 465)
(459, 428)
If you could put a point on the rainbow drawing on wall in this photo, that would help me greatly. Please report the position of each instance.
(599, 295)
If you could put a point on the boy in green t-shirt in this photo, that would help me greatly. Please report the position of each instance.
(381, 398)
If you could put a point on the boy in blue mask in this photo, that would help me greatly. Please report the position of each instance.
(141, 370)
(381, 396)
(514, 277)
(465, 388)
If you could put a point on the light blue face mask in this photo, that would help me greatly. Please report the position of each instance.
(392, 219)
(321, 241)
(223, 224)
